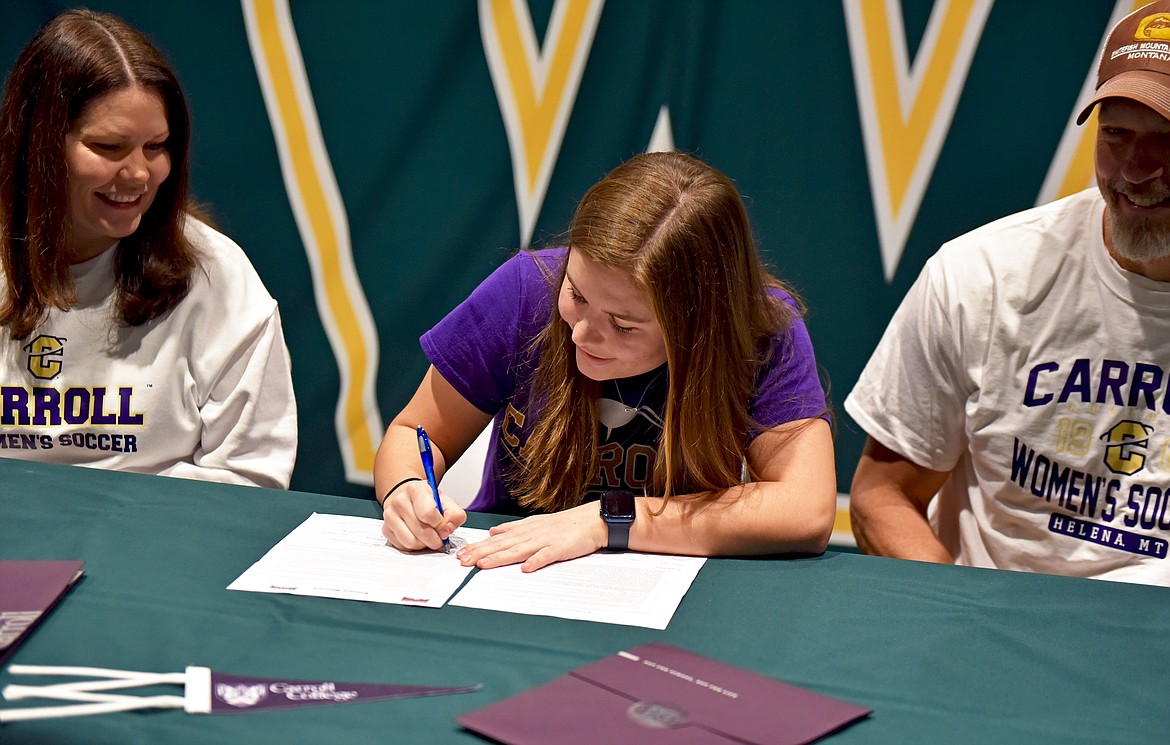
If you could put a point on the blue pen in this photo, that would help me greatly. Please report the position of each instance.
(428, 461)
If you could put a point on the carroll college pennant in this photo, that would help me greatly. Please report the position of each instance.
(204, 692)
(235, 693)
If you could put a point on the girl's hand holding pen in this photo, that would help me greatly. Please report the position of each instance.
(412, 522)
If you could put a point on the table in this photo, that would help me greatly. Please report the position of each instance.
(942, 654)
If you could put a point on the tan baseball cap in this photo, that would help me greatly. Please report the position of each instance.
(1136, 61)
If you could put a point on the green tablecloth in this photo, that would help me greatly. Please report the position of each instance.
(942, 654)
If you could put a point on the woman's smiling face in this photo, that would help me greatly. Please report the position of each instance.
(614, 329)
(117, 156)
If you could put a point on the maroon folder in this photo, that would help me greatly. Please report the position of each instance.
(658, 693)
(28, 591)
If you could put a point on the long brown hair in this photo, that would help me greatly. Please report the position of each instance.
(75, 58)
(680, 229)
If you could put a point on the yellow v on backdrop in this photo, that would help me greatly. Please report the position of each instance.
(906, 107)
(377, 160)
(536, 88)
(324, 229)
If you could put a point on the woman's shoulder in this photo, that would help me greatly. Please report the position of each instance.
(224, 269)
(786, 311)
(211, 245)
(779, 292)
(528, 275)
(541, 263)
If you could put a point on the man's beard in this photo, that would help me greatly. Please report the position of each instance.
(1136, 238)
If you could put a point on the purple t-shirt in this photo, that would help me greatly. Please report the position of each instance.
(484, 349)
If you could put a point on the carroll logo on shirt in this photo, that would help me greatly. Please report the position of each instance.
(1128, 441)
(44, 356)
(1111, 510)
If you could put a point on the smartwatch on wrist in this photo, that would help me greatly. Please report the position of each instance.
(617, 510)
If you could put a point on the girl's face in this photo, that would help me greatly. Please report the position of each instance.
(117, 156)
(614, 329)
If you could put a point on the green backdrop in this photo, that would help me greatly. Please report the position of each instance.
(763, 89)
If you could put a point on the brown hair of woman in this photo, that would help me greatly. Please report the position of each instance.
(680, 229)
(74, 59)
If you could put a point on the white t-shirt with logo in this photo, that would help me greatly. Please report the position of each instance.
(203, 392)
(1026, 360)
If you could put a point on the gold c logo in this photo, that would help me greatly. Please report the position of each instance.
(44, 356)
(1127, 443)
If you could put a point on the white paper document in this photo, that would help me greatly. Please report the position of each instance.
(339, 556)
(630, 589)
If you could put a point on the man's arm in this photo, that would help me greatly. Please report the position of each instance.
(887, 506)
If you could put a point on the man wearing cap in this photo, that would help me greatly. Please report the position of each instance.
(1018, 405)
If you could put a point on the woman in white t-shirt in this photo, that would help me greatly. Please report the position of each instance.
(132, 335)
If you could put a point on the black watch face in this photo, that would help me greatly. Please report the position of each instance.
(618, 505)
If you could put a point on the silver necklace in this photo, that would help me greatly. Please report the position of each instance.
(638, 406)
(614, 414)
(621, 399)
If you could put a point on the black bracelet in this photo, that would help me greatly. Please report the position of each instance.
(406, 480)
